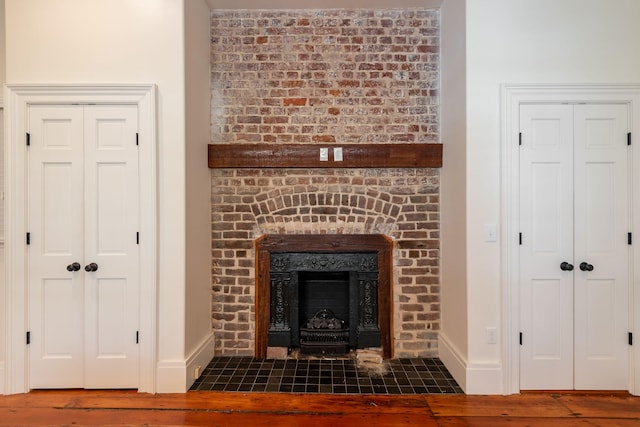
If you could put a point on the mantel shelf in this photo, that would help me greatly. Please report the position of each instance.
(415, 155)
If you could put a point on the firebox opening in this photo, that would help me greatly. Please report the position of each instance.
(323, 312)
(323, 290)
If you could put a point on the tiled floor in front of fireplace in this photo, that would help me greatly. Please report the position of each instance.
(396, 376)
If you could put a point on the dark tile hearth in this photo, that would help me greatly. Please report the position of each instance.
(396, 376)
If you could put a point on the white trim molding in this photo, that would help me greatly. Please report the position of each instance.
(199, 359)
(18, 98)
(179, 375)
(512, 96)
(473, 378)
(2, 380)
(452, 358)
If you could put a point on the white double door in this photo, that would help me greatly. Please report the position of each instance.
(575, 247)
(82, 246)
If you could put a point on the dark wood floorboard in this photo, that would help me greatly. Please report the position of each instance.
(129, 408)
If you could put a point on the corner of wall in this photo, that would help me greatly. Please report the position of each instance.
(170, 377)
(454, 210)
(197, 175)
(177, 376)
(473, 378)
(453, 360)
(199, 359)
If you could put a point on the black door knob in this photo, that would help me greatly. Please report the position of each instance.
(565, 266)
(91, 267)
(74, 267)
(586, 266)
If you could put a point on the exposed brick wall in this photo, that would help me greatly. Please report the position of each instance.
(326, 76)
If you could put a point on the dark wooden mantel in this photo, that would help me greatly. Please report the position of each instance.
(224, 156)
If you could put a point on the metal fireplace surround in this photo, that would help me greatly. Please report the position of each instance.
(364, 263)
(353, 294)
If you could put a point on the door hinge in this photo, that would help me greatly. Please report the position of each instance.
(629, 238)
(137, 237)
(520, 238)
(28, 238)
(520, 338)
(28, 139)
(628, 138)
(137, 337)
(520, 138)
(28, 337)
(137, 138)
(630, 338)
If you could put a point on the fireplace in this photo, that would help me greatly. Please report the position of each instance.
(323, 294)
(323, 302)
(340, 80)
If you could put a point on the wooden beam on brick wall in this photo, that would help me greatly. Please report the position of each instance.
(231, 156)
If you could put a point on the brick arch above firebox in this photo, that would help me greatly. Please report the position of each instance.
(348, 210)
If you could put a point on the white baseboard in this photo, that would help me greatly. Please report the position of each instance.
(473, 378)
(456, 364)
(484, 378)
(200, 358)
(2, 379)
(176, 376)
(171, 376)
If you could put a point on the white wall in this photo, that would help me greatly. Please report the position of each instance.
(453, 340)
(2, 288)
(124, 41)
(2, 44)
(199, 338)
(525, 41)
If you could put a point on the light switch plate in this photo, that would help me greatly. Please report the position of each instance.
(490, 233)
(337, 154)
(324, 154)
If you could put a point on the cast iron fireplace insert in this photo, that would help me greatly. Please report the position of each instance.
(332, 288)
(324, 303)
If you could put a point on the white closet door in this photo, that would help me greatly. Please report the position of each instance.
(111, 223)
(546, 207)
(602, 221)
(83, 210)
(575, 216)
(56, 230)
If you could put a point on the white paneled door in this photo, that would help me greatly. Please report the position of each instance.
(575, 247)
(82, 246)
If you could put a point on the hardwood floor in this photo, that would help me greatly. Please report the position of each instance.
(129, 408)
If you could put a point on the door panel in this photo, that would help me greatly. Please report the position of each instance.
(602, 224)
(599, 215)
(111, 195)
(600, 300)
(546, 291)
(546, 205)
(56, 222)
(55, 335)
(547, 340)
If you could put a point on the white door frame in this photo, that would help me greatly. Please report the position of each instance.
(17, 100)
(512, 96)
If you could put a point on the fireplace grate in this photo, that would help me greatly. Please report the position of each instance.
(324, 334)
